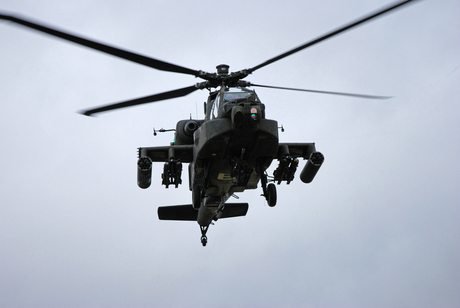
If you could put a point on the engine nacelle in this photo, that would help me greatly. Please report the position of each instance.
(312, 166)
(144, 172)
(190, 127)
(185, 130)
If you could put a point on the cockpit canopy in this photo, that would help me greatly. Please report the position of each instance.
(222, 103)
(233, 95)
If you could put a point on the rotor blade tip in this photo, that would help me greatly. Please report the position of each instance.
(86, 113)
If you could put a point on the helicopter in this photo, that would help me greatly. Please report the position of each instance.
(230, 150)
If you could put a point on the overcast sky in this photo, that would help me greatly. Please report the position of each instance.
(378, 227)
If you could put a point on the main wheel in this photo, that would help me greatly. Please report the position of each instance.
(271, 191)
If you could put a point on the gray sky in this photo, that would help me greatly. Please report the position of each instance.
(378, 227)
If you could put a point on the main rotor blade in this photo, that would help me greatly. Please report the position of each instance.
(333, 33)
(142, 100)
(324, 92)
(120, 53)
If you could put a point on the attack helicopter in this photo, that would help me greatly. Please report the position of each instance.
(230, 150)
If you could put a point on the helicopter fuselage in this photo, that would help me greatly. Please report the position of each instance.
(228, 152)
(229, 159)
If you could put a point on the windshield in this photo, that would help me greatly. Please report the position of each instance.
(233, 96)
(239, 95)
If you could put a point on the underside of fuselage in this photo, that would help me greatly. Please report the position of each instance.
(230, 160)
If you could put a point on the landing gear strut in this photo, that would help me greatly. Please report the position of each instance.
(269, 190)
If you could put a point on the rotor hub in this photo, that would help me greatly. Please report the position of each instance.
(222, 69)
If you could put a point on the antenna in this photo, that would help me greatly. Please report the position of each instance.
(162, 130)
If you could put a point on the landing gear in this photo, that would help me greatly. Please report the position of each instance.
(204, 238)
(269, 190)
(271, 198)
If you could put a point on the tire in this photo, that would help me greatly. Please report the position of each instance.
(271, 190)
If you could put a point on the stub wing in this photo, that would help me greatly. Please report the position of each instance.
(182, 153)
(295, 150)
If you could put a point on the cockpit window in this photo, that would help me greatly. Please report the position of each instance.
(215, 108)
(241, 95)
(232, 96)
